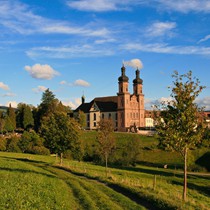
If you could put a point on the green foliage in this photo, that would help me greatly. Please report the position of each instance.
(179, 127)
(31, 142)
(105, 139)
(24, 117)
(60, 133)
(10, 120)
(128, 151)
(12, 144)
(82, 119)
(3, 143)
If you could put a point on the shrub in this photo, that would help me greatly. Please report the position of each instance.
(12, 144)
(41, 150)
(3, 144)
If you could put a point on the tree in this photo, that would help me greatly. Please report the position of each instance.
(82, 119)
(105, 139)
(60, 132)
(10, 120)
(179, 126)
(25, 119)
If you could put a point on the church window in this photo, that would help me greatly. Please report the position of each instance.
(102, 116)
(88, 117)
(94, 124)
(94, 116)
(110, 115)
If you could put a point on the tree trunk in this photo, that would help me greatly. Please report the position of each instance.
(185, 176)
(61, 159)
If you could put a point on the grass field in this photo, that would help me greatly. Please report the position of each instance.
(37, 182)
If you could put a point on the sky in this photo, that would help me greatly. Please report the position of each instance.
(76, 47)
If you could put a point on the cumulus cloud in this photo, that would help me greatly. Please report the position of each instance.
(13, 104)
(4, 86)
(39, 89)
(78, 82)
(204, 102)
(39, 71)
(82, 83)
(134, 63)
(72, 104)
(161, 29)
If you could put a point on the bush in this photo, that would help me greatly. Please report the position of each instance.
(3, 144)
(41, 150)
(12, 144)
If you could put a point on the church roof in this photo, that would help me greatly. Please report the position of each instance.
(104, 104)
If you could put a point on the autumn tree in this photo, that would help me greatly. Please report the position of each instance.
(179, 126)
(105, 139)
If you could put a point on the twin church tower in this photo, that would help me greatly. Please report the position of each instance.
(126, 110)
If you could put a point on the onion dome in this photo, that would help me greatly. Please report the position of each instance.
(138, 80)
(123, 77)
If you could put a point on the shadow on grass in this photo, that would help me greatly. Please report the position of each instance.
(26, 171)
(139, 198)
(205, 190)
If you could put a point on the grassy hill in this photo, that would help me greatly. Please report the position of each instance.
(149, 153)
(37, 182)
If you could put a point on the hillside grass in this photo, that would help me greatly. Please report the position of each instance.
(42, 184)
(149, 154)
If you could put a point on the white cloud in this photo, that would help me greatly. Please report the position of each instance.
(4, 86)
(76, 51)
(161, 29)
(185, 6)
(73, 104)
(9, 95)
(134, 63)
(82, 83)
(204, 39)
(165, 48)
(13, 104)
(98, 5)
(39, 89)
(19, 18)
(39, 71)
(204, 102)
(63, 82)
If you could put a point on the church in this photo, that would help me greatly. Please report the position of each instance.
(125, 109)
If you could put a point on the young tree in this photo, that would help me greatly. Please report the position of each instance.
(60, 133)
(179, 126)
(105, 139)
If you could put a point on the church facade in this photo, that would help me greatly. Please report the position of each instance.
(125, 109)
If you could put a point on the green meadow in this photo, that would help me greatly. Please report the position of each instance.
(38, 182)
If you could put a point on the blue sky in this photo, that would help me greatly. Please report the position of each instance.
(78, 46)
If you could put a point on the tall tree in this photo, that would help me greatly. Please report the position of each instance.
(105, 139)
(60, 133)
(179, 126)
(24, 117)
(82, 119)
(10, 119)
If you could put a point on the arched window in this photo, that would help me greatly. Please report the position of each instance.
(94, 116)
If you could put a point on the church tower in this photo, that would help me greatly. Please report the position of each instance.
(137, 91)
(123, 100)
